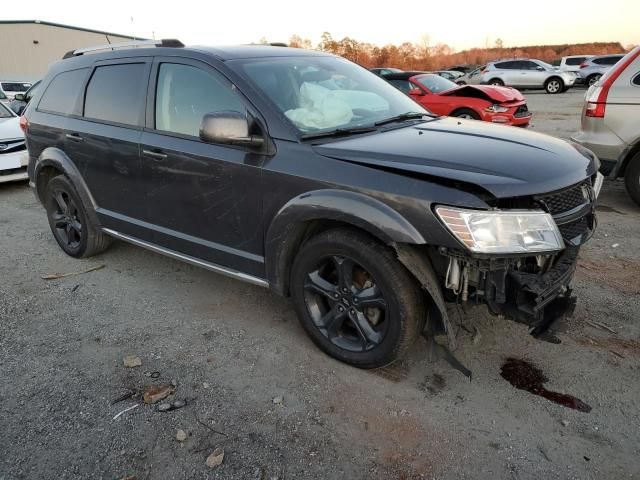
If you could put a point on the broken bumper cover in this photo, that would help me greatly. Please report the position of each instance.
(537, 300)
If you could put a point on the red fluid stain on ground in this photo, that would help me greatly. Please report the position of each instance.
(525, 376)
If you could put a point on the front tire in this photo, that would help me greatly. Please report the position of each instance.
(554, 85)
(68, 220)
(355, 300)
(496, 82)
(466, 113)
(632, 178)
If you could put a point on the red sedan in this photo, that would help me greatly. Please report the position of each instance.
(503, 105)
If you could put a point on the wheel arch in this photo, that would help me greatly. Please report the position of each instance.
(52, 162)
(460, 108)
(554, 77)
(313, 212)
(629, 156)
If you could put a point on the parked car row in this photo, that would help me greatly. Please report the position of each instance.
(366, 209)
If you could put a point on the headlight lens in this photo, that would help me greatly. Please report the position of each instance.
(502, 231)
(497, 109)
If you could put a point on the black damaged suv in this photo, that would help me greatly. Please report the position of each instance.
(305, 173)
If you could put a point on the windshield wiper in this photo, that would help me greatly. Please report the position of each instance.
(338, 132)
(401, 117)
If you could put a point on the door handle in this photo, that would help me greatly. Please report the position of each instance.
(75, 137)
(154, 155)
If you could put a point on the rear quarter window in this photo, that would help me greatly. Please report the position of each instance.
(575, 61)
(607, 60)
(61, 95)
(116, 93)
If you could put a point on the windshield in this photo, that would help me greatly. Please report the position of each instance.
(5, 112)
(15, 87)
(325, 93)
(435, 83)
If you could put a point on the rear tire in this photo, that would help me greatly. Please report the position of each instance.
(554, 85)
(632, 178)
(355, 300)
(466, 113)
(496, 82)
(71, 227)
(593, 79)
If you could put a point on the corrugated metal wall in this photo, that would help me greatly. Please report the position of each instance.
(23, 59)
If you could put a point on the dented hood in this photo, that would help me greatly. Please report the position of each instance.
(506, 161)
(492, 93)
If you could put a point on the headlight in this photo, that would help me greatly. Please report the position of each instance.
(502, 231)
(497, 109)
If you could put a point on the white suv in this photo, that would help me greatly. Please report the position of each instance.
(572, 63)
(527, 73)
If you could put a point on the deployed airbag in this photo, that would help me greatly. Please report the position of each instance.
(319, 108)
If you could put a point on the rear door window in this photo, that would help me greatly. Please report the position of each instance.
(62, 93)
(117, 93)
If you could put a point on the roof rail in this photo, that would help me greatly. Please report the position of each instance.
(167, 42)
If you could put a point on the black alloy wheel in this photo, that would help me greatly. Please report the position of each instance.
(69, 222)
(346, 304)
(355, 299)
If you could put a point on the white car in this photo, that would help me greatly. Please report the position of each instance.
(11, 88)
(13, 149)
(572, 63)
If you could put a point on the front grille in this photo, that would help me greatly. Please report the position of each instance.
(12, 171)
(521, 111)
(11, 146)
(565, 205)
(569, 199)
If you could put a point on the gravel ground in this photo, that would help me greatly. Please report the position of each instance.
(232, 348)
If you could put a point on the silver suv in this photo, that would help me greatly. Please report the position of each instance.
(526, 73)
(593, 68)
(611, 122)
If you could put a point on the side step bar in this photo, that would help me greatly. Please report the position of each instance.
(188, 259)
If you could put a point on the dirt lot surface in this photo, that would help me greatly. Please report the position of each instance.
(257, 387)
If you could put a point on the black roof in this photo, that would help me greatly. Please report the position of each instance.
(402, 75)
(221, 53)
(70, 27)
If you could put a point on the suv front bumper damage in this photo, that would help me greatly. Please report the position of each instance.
(535, 299)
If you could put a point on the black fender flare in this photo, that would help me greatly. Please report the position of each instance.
(56, 158)
(288, 226)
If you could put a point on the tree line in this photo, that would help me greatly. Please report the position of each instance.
(424, 56)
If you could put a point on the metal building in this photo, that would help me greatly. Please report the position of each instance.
(28, 47)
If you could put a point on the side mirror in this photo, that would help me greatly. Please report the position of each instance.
(228, 128)
(416, 91)
(540, 69)
(19, 97)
